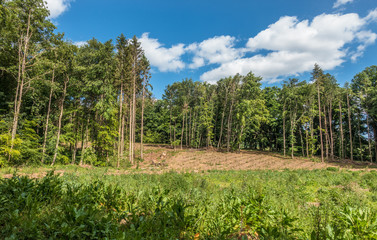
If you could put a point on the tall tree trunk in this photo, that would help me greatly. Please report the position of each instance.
(60, 120)
(21, 80)
(174, 145)
(193, 129)
(120, 124)
(122, 135)
(76, 127)
(142, 122)
(320, 121)
(349, 125)
(284, 141)
(130, 132)
(302, 142)
(358, 127)
(331, 132)
(48, 116)
(292, 136)
(311, 125)
(307, 141)
(229, 130)
(190, 130)
(186, 130)
(183, 128)
(369, 145)
(84, 141)
(342, 155)
(134, 119)
(134, 123)
(170, 132)
(326, 133)
(222, 118)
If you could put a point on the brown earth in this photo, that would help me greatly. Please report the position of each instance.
(163, 158)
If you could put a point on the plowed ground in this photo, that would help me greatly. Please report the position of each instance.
(163, 158)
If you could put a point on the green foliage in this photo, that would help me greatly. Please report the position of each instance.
(6, 151)
(217, 205)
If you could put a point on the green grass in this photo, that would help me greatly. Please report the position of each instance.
(87, 204)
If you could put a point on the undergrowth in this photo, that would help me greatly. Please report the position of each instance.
(319, 204)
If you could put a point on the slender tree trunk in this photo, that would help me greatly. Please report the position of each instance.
(320, 121)
(360, 150)
(84, 141)
(170, 132)
(311, 125)
(130, 132)
(326, 133)
(183, 128)
(186, 130)
(18, 83)
(222, 118)
(369, 145)
(120, 124)
(60, 120)
(342, 155)
(307, 141)
(284, 141)
(134, 119)
(21, 81)
(190, 130)
(292, 136)
(174, 145)
(193, 129)
(76, 140)
(349, 125)
(142, 122)
(229, 130)
(302, 142)
(331, 131)
(122, 145)
(48, 116)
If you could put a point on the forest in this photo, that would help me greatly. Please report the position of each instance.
(60, 103)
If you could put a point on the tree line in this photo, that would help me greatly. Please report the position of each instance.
(64, 103)
(92, 104)
(302, 118)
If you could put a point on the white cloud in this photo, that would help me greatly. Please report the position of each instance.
(285, 48)
(80, 43)
(57, 7)
(165, 59)
(219, 49)
(339, 3)
(372, 16)
(296, 45)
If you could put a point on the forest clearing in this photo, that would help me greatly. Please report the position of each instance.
(160, 158)
(212, 146)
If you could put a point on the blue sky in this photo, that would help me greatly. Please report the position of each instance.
(207, 40)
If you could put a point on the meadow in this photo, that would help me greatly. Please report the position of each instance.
(94, 203)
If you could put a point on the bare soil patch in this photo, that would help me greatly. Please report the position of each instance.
(164, 158)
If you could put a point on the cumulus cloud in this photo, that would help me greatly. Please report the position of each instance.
(165, 59)
(296, 45)
(285, 48)
(219, 49)
(339, 3)
(57, 7)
